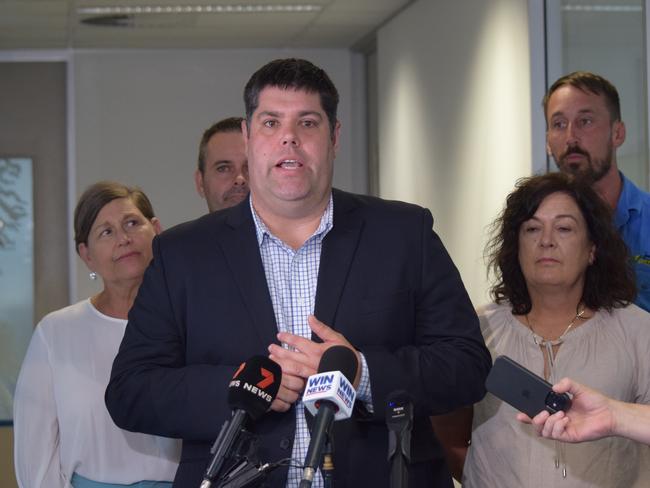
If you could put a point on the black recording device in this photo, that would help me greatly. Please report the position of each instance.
(399, 420)
(251, 391)
(523, 389)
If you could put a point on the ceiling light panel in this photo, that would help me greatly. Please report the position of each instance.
(200, 9)
(603, 8)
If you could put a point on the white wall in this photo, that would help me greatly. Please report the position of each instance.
(139, 115)
(455, 117)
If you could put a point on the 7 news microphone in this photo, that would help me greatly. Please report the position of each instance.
(329, 396)
(399, 419)
(250, 394)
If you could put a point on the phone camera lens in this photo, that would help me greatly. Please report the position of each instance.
(556, 402)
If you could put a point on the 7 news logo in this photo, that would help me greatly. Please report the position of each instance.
(257, 389)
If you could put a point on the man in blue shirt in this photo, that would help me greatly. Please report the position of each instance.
(583, 131)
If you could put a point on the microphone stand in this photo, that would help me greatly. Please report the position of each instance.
(221, 447)
(314, 456)
(399, 420)
(327, 468)
(399, 454)
(246, 474)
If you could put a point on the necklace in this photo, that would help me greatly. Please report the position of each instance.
(548, 344)
(554, 342)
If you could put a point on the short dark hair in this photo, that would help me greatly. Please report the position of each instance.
(295, 74)
(588, 82)
(95, 197)
(609, 281)
(231, 124)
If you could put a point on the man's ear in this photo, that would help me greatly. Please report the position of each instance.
(244, 132)
(244, 128)
(618, 133)
(336, 136)
(549, 153)
(198, 182)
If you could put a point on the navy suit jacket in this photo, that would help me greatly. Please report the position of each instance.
(385, 282)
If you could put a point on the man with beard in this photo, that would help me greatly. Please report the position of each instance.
(583, 131)
(222, 174)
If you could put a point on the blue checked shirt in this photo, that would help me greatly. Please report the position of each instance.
(292, 276)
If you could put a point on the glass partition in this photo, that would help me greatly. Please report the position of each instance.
(606, 37)
(16, 274)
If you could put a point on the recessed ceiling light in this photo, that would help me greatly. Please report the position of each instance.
(199, 9)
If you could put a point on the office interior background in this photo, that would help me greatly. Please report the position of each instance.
(440, 106)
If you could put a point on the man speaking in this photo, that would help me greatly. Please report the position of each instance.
(291, 271)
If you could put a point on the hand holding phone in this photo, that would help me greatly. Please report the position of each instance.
(523, 389)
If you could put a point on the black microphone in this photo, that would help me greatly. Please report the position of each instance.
(250, 394)
(399, 419)
(330, 396)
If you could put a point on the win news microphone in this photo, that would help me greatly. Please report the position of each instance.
(399, 419)
(328, 396)
(250, 394)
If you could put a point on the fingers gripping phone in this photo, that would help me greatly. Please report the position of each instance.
(523, 389)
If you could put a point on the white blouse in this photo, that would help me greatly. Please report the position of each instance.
(61, 425)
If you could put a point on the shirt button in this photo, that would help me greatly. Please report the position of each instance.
(285, 443)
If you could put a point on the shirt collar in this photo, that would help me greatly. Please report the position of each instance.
(326, 222)
(629, 201)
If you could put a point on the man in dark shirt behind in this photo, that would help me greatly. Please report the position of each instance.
(221, 176)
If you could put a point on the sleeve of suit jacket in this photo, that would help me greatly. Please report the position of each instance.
(160, 382)
(403, 304)
(448, 362)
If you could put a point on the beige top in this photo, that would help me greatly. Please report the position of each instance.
(609, 352)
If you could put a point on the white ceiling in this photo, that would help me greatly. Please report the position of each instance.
(56, 24)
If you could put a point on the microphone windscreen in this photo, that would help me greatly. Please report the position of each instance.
(254, 386)
(339, 358)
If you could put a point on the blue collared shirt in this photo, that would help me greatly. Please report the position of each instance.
(292, 276)
(632, 219)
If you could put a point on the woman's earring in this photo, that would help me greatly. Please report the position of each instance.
(93, 275)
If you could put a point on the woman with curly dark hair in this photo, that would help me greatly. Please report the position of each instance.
(563, 294)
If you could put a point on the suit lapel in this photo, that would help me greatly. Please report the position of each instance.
(241, 250)
(339, 248)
